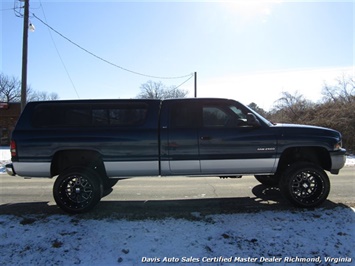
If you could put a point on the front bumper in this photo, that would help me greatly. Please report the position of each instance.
(338, 159)
(10, 169)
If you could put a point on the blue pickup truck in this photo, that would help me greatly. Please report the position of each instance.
(88, 145)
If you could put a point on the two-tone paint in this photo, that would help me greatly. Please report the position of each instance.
(155, 148)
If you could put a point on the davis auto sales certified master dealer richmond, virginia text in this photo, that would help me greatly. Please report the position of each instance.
(235, 259)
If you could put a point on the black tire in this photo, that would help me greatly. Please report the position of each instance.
(268, 180)
(77, 190)
(305, 185)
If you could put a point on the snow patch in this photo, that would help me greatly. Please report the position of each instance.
(350, 160)
(295, 236)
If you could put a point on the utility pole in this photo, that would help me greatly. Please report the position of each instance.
(24, 55)
(195, 84)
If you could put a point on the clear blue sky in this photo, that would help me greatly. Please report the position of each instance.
(245, 50)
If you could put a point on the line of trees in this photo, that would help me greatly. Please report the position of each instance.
(335, 110)
(10, 91)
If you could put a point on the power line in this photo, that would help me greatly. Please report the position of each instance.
(184, 81)
(104, 60)
(60, 57)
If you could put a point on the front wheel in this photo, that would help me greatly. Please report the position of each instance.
(305, 184)
(77, 190)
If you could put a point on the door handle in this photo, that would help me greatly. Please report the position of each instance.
(205, 138)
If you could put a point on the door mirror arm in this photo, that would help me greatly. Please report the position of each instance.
(252, 120)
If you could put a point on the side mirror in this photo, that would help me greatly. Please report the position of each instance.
(252, 120)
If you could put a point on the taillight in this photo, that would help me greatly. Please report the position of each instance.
(13, 148)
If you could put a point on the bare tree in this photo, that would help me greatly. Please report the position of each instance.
(343, 91)
(173, 92)
(151, 90)
(293, 107)
(157, 90)
(337, 110)
(42, 96)
(10, 89)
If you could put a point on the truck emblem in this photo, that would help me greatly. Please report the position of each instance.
(265, 149)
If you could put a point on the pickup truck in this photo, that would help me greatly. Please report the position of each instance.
(88, 145)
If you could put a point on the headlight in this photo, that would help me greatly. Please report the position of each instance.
(338, 146)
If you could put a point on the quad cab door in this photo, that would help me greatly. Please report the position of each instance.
(214, 137)
(179, 138)
(232, 141)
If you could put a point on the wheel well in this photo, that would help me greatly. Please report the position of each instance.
(317, 155)
(63, 160)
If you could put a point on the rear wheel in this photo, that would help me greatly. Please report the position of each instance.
(77, 190)
(305, 184)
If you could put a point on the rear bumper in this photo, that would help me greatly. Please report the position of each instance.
(10, 169)
(338, 159)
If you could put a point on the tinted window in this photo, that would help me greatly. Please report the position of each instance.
(214, 117)
(183, 115)
(48, 116)
(127, 116)
(77, 117)
(100, 117)
(227, 116)
(81, 115)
